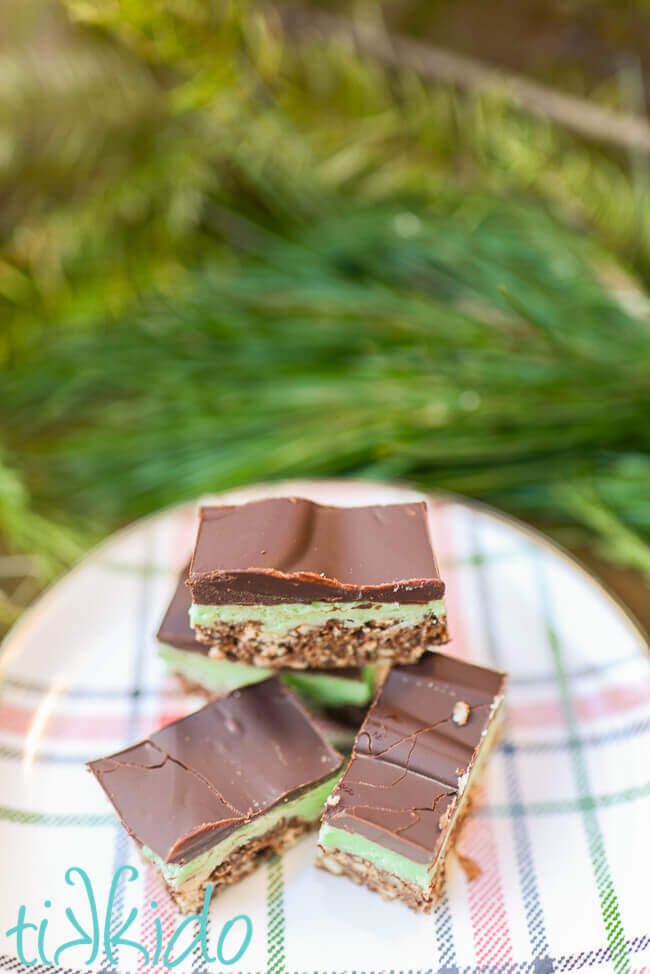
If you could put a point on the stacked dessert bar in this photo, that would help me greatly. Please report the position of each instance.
(337, 698)
(288, 613)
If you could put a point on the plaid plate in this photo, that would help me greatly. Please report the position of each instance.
(560, 833)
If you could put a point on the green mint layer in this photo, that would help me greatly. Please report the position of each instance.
(391, 862)
(330, 690)
(317, 689)
(283, 617)
(307, 807)
(219, 676)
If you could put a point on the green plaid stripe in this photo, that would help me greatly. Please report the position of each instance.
(275, 922)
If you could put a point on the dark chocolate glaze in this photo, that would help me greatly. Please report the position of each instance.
(196, 781)
(409, 754)
(175, 629)
(285, 549)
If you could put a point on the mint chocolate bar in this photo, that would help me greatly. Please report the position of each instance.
(343, 693)
(208, 797)
(394, 816)
(286, 582)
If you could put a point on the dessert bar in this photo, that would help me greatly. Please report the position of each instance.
(286, 582)
(208, 797)
(394, 816)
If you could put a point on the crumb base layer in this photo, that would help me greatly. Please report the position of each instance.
(244, 860)
(389, 887)
(332, 644)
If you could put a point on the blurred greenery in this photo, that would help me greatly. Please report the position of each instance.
(226, 255)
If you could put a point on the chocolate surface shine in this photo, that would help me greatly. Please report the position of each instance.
(410, 753)
(196, 781)
(293, 550)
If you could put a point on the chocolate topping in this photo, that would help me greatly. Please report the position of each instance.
(196, 781)
(404, 772)
(292, 550)
(175, 629)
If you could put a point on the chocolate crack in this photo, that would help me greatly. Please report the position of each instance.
(432, 808)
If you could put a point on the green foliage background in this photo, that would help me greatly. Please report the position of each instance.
(227, 256)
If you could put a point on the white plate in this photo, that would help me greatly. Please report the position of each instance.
(560, 835)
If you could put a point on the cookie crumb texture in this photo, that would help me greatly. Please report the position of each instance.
(388, 886)
(331, 645)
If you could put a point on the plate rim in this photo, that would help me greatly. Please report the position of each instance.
(41, 602)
